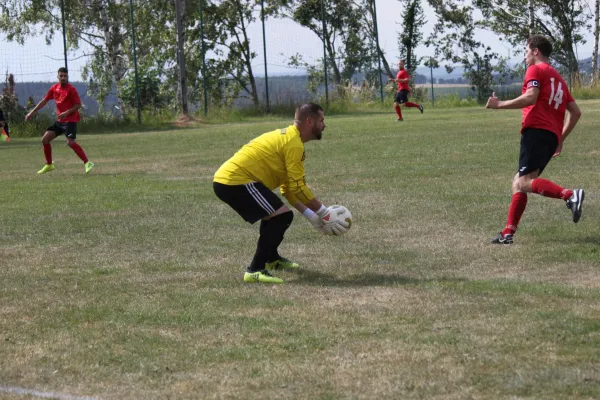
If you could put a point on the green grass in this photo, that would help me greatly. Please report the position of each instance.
(127, 283)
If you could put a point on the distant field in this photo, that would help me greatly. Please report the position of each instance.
(464, 90)
(127, 283)
(444, 85)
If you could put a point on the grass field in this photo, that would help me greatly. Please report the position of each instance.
(127, 283)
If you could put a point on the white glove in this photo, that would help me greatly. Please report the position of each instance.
(332, 223)
(316, 222)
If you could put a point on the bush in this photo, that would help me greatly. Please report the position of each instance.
(586, 93)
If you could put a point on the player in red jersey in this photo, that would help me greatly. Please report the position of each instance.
(545, 99)
(67, 105)
(402, 79)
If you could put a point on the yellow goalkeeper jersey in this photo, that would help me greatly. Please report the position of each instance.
(276, 159)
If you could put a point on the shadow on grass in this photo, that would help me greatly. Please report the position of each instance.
(574, 239)
(316, 278)
(585, 239)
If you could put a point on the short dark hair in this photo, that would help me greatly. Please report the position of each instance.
(541, 43)
(307, 110)
(63, 70)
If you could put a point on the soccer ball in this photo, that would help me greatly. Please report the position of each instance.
(342, 213)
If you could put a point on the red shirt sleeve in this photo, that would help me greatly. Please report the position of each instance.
(74, 96)
(50, 94)
(532, 77)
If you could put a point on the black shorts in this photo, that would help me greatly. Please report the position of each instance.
(253, 201)
(68, 128)
(401, 96)
(6, 128)
(537, 148)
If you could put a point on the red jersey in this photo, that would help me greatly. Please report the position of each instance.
(403, 74)
(548, 112)
(65, 98)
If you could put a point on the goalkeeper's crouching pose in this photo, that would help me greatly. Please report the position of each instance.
(275, 159)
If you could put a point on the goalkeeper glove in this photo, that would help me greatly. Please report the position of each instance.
(315, 220)
(332, 224)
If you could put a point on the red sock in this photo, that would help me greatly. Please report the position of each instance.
(397, 108)
(548, 188)
(48, 152)
(515, 211)
(411, 104)
(79, 151)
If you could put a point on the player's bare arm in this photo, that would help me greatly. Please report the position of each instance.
(573, 115)
(572, 119)
(525, 100)
(39, 106)
(398, 80)
(313, 204)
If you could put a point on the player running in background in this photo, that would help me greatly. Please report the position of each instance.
(545, 99)
(402, 79)
(5, 134)
(275, 159)
(67, 105)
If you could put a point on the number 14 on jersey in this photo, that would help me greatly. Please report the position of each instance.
(556, 95)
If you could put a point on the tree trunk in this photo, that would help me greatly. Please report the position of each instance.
(409, 47)
(182, 81)
(531, 18)
(113, 42)
(333, 62)
(595, 53)
(386, 66)
(248, 58)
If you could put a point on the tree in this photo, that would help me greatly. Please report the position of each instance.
(531, 15)
(180, 24)
(346, 39)
(367, 12)
(563, 22)
(411, 35)
(596, 34)
(101, 24)
(9, 102)
(149, 88)
(454, 41)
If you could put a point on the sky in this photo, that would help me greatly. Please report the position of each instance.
(36, 61)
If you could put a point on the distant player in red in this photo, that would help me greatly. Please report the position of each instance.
(4, 131)
(545, 99)
(67, 105)
(402, 79)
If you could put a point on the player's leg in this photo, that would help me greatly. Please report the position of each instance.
(5, 133)
(71, 136)
(528, 170)
(273, 228)
(411, 104)
(546, 144)
(253, 202)
(397, 100)
(47, 138)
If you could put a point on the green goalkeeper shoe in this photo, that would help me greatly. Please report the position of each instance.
(47, 168)
(261, 276)
(282, 263)
(88, 167)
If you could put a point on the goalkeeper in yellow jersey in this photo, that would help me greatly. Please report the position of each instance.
(275, 159)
